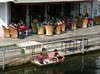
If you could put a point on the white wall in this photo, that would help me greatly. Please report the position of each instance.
(4, 13)
(5, 0)
(96, 8)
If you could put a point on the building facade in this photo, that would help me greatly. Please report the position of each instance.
(14, 10)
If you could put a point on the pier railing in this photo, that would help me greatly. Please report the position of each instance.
(65, 46)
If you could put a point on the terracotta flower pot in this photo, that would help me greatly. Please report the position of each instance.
(85, 22)
(63, 26)
(58, 29)
(49, 29)
(41, 30)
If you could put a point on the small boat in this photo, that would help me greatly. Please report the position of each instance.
(47, 62)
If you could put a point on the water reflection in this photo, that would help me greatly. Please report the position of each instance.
(98, 65)
(81, 64)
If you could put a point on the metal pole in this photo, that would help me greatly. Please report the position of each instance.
(3, 66)
(46, 13)
(27, 15)
(61, 46)
(62, 9)
(47, 46)
(83, 45)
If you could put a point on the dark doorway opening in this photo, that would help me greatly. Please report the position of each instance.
(18, 12)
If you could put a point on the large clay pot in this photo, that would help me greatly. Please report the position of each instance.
(41, 30)
(85, 22)
(49, 29)
(63, 26)
(58, 29)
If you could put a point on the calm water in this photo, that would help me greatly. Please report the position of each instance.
(78, 64)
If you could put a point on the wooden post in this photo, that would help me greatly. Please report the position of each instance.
(3, 66)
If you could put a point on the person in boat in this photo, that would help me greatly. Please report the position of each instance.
(53, 55)
(43, 56)
(44, 53)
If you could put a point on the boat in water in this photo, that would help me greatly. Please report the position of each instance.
(46, 62)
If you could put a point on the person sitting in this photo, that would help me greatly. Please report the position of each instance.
(53, 55)
(21, 26)
(44, 53)
(21, 35)
(51, 23)
(43, 56)
(21, 23)
(59, 22)
(45, 21)
(12, 24)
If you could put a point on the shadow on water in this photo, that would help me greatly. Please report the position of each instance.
(88, 63)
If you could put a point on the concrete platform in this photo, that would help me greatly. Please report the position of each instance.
(44, 38)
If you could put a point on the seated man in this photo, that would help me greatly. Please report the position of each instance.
(54, 54)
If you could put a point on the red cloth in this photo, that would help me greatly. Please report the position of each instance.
(89, 20)
(70, 23)
(23, 28)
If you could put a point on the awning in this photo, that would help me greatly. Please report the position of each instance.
(45, 1)
(2, 1)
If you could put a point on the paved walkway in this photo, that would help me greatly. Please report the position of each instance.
(43, 38)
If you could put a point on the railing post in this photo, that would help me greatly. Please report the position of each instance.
(47, 46)
(3, 66)
(83, 45)
(61, 45)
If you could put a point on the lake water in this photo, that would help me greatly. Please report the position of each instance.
(77, 64)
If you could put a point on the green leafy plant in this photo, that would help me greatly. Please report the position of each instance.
(22, 51)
